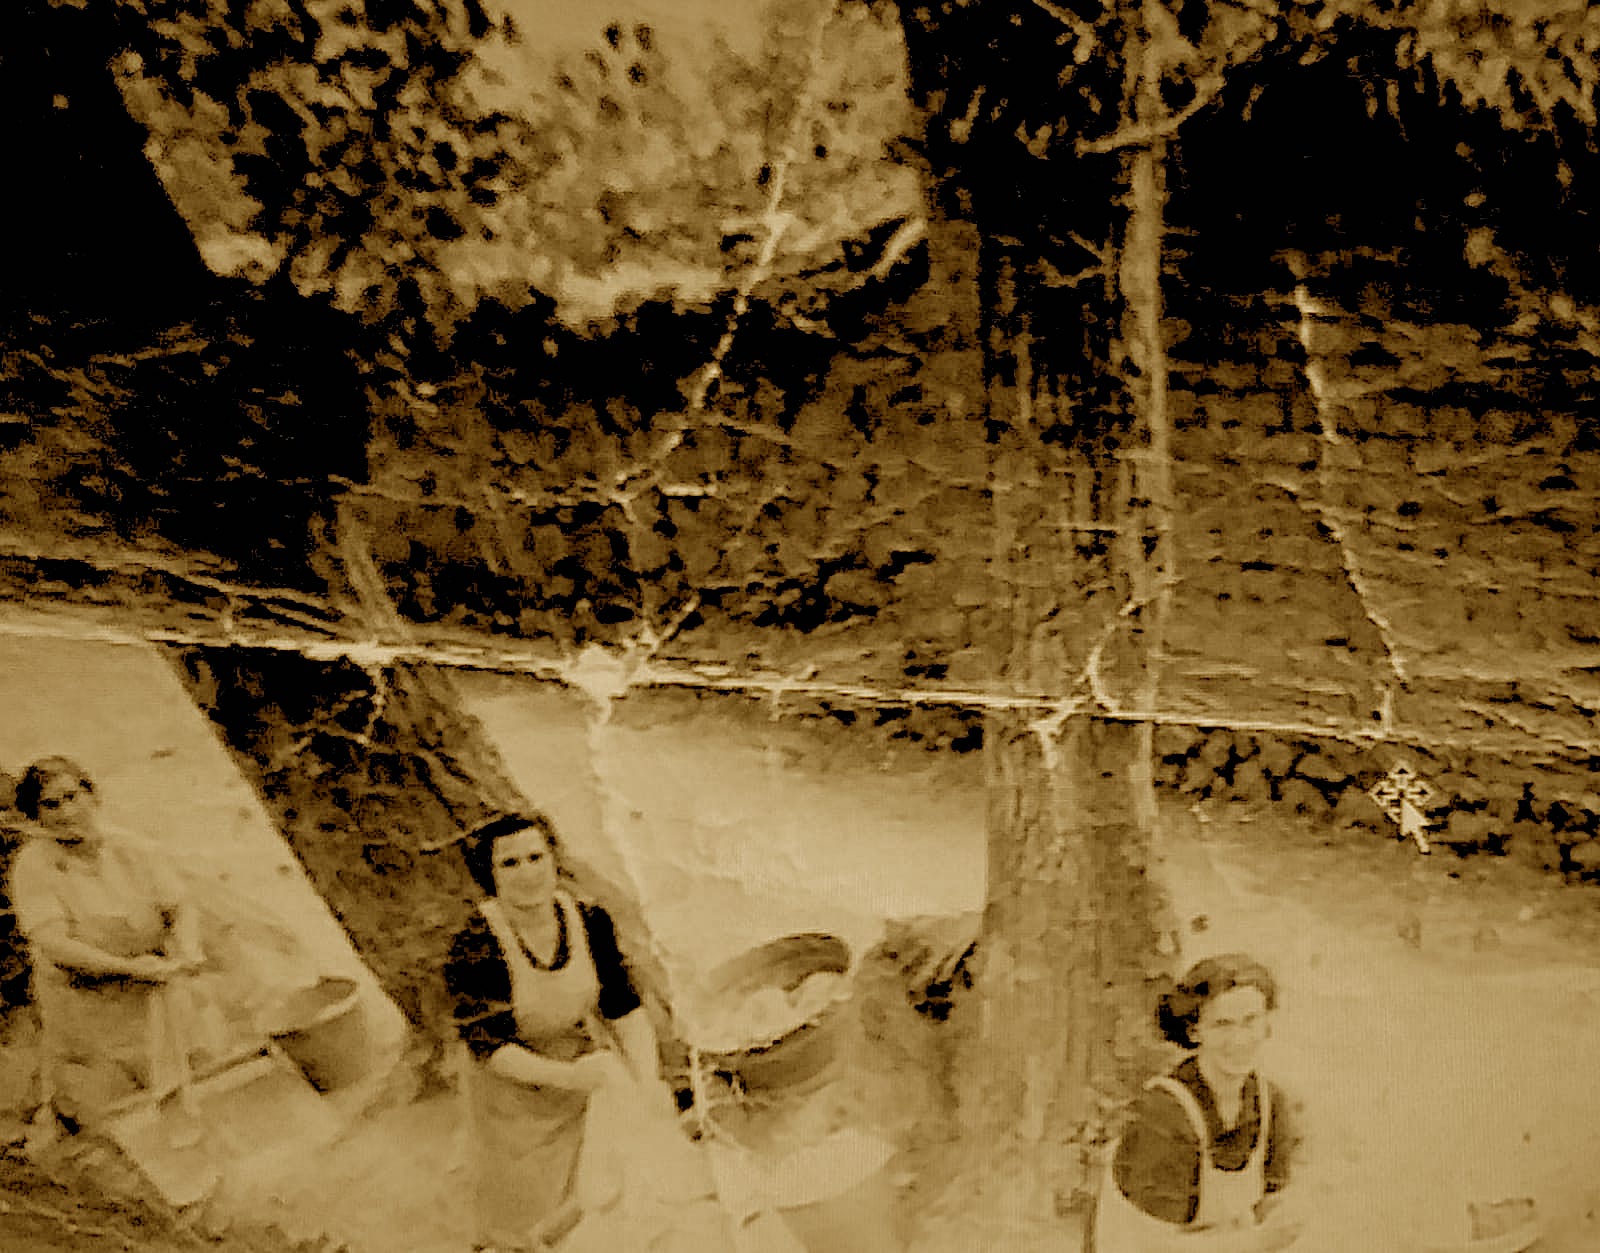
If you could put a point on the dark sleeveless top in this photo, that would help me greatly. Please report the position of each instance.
(479, 983)
(1158, 1162)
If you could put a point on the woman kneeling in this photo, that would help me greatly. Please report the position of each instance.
(545, 1004)
(1207, 1144)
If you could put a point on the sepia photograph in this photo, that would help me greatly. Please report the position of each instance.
(800, 626)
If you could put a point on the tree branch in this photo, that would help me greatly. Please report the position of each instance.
(1208, 87)
(1328, 421)
(1079, 27)
(776, 222)
(1354, 577)
(1143, 134)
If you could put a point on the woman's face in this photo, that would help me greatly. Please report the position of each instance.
(524, 868)
(67, 807)
(1232, 1028)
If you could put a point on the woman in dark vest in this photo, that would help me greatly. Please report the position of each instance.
(1208, 1142)
(556, 1029)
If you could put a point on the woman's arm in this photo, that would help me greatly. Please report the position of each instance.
(619, 996)
(46, 924)
(479, 986)
(184, 944)
(520, 1064)
(624, 1011)
(54, 943)
(1157, 1167)
(637, 1037)
(1286, 1146)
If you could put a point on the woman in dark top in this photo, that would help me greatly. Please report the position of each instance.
(1208, 1141)
(551, 1017)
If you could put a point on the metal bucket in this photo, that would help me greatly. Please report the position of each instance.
(806, 1051)
(323, 1030)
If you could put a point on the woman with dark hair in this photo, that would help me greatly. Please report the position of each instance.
(106, 929)
(551, 1017)
(1207, 1142)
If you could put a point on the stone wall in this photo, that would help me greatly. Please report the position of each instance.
(1544, 813)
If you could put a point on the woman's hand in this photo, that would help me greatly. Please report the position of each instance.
(54, 943)
(636, 1038)
(602, 1069)
(588, 1073)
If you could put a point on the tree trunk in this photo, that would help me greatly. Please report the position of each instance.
(1073, 927)
(1070, 940)
(1148, 556)
(372, 774)
(364, 774)
(467, 766)
(1069, 948)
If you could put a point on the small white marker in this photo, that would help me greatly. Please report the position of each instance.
(1403, 794)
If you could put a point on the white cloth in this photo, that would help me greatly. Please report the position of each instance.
(668, 1200)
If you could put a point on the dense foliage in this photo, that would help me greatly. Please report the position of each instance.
(408, 159)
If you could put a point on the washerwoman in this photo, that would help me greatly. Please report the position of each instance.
(1208, 1147)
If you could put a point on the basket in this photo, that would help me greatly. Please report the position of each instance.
(323, 1030)
(805, 1051)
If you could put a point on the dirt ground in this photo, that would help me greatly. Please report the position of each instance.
(1440, 1022)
